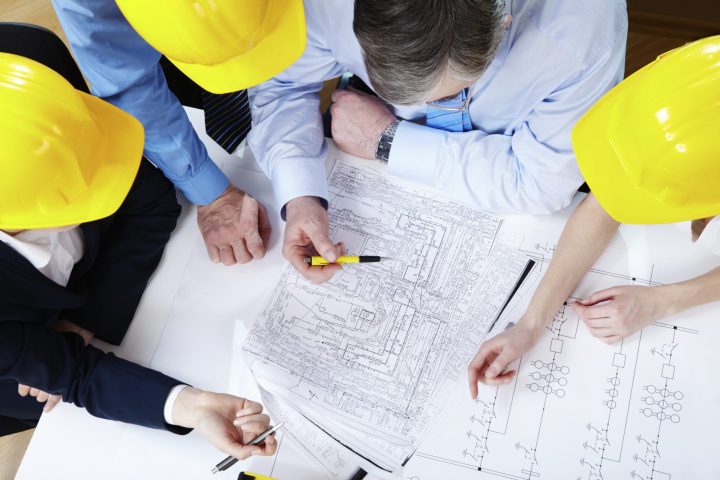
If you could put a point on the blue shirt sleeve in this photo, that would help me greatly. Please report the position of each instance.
(124, 70)
(531, 167)
(287, 135)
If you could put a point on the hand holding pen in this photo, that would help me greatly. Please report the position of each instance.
(226, 421)
(265, 436)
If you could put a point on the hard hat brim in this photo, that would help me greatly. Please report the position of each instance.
(274, 54)
(603, 171)
(119, 159)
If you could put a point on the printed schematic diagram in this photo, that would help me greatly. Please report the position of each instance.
(377, 348)
(579, 409)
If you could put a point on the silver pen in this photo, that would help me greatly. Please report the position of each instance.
(230, 461)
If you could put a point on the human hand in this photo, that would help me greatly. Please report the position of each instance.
(65, 325)
(358, 121)
(235, 227)
(617, 312)
(494, 355)
(228, 422)
(42, 397)
(307, 234)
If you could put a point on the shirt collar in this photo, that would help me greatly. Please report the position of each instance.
(35, 246)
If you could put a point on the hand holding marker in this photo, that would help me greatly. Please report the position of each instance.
(344, 259)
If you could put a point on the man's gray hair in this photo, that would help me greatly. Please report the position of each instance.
(409, 45)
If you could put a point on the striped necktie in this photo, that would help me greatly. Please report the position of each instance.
(227, 118)
(449, 120)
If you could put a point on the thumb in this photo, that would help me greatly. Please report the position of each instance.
(599, 296)
(242, 452)
(322, 243)
(578, 306)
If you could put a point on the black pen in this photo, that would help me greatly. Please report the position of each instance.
(359, 475)
(230, 461)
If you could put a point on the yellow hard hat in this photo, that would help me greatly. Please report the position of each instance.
(67, 157)
(222, 45)
(650, 148)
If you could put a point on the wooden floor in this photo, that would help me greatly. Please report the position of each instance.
(642, 48)
(39, 12)
(12, 449)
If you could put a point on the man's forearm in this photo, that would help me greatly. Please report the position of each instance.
(585, 237)
(134, 81)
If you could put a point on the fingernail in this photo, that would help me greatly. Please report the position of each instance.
(256, 452)
(330, 255)
(490, 373)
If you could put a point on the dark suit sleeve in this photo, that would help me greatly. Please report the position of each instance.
(130, 246)
(105, 385)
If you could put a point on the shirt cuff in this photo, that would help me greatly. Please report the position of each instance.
(415, 152)
(299, 177)
(170, 403)
(203, 188)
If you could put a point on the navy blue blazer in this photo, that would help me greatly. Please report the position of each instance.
(120, 254)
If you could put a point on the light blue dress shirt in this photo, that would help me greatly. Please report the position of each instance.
(123, 69)
(557, 59)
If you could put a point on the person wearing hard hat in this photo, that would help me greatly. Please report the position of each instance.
(476, 99)
(224, 46)
(83, 224)
(648, 150)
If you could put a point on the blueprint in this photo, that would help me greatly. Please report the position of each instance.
(644, 408)
(371, 355)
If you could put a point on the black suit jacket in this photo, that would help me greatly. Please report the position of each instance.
(120, 254)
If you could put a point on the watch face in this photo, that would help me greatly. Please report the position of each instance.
(383, 151)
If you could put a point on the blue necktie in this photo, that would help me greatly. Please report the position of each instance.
(227, 118)
(449, 120)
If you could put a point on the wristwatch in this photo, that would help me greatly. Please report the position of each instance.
(382, 152)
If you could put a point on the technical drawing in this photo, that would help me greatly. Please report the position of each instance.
(661, 405)
(377, 348)
(582, 410)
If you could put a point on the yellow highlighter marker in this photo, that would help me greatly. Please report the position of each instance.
(253, 476)
(316, 261)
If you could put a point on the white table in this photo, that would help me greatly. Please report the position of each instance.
(184, 328)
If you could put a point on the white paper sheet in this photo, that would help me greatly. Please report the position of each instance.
(580, 409)
(370, 355)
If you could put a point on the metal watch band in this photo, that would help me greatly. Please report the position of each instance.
(382, 152)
